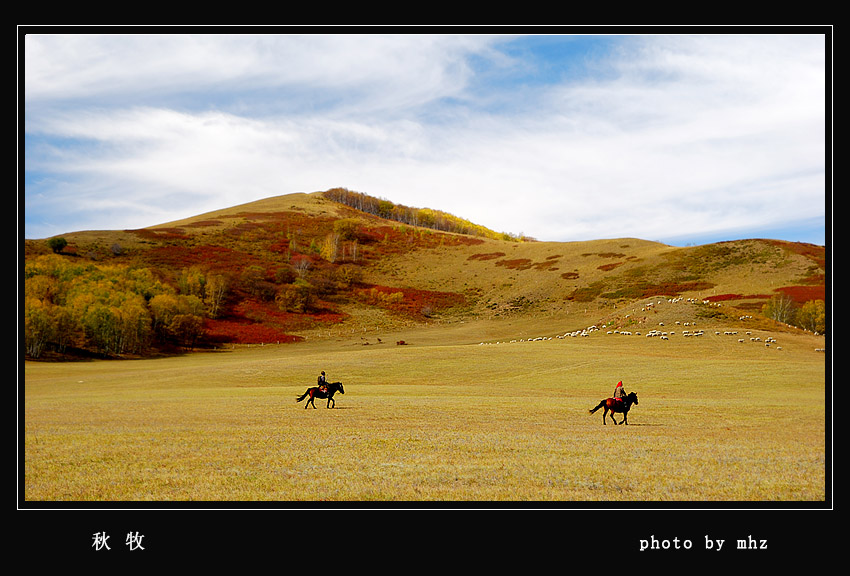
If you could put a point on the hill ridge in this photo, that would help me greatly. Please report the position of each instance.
(420, 217)
(304, 265)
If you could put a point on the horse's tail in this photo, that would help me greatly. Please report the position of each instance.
(598, 406)
(300, 398)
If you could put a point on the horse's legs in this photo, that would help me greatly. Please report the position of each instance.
(604, 414)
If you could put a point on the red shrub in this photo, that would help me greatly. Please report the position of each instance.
(231, 331)
(729, 297)
(516, 264)
(412, 302)
(490, 256)
(803, 294)
(609, 267)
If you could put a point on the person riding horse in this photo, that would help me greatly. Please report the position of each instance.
(322, 382)
(620, 392)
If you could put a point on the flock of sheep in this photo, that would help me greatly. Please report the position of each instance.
(585, 332)
(688, 328)
(665, 335)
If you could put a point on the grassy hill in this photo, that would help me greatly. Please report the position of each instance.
(309, 266)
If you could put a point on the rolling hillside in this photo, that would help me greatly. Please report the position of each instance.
(311, 266)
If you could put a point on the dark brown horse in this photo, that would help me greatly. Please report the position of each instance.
(317, 392)
(616, 405)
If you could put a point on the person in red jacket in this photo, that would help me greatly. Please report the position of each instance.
(620, 392)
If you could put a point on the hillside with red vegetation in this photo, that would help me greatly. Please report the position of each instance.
(277, 270)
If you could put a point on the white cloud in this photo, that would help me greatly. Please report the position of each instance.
(676, 135)
(370, 71)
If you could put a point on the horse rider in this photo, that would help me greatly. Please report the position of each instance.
(322, 382)
(620, 392)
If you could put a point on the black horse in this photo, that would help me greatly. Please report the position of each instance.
(317, 392)
(617, 405)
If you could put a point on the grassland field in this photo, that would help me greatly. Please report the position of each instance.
(444, 418)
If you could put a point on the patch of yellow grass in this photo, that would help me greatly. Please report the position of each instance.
(433, 421)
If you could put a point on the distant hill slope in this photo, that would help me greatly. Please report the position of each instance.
(303, 264)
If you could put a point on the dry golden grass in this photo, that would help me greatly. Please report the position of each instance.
(442, 419)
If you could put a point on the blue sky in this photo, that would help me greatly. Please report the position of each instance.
(680, 138)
